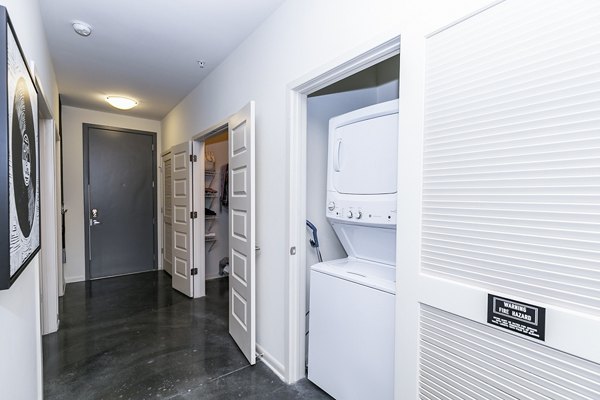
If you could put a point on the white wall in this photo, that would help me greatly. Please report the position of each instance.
(220, 225)
(20, 336)
(72, 126)
(298, 38)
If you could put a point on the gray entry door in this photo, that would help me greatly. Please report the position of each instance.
(121, 201)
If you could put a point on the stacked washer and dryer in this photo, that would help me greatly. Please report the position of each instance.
(352, 300)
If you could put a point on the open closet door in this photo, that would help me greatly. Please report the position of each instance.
(242, 252)
(499, 203)
(167, 212)
(182, 229)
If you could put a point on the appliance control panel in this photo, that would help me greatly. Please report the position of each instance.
(361, 211)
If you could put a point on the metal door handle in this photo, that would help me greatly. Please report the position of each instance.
(94, 222)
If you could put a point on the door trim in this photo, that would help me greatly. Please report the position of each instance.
(164, 156)
(363, 57)
(86, 211)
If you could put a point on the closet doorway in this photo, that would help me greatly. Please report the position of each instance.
(368, 78)
(216, 206)
(212, 216)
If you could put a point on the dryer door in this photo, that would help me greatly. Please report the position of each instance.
(364, 156)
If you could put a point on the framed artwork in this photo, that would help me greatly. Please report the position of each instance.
(19, 161)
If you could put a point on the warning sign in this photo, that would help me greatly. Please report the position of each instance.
(517, 316)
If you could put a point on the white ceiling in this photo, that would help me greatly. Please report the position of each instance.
(144, 49)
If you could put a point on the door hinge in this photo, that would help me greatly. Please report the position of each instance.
(152, 184)
(193, 214)
(194, 271)
(152, 147)
(162, 250)
(193, 158)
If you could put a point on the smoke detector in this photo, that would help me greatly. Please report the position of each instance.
(82, 28)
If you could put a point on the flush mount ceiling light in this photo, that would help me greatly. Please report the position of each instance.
(122, 103)
(82, 28)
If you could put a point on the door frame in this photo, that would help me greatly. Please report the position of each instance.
(246, 341)
(361, 58)
(162, 209)
(86, 210)
(50, 254)
(200, 201)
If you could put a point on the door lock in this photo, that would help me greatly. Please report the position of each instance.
(93, 217)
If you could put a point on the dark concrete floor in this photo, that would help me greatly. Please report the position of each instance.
(134, 337)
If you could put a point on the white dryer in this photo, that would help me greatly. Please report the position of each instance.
(351, 320)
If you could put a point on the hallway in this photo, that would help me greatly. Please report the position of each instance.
(133, 337)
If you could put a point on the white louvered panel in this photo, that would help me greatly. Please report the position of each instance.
(463, 359)
(511, 184)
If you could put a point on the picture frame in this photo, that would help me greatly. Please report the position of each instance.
(20, 238)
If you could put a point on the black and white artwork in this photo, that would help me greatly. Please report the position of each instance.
(23, 160)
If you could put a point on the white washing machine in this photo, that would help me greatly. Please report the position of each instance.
(352, 301)
(351, 343)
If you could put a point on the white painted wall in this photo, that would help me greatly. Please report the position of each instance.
(20, 336)
(220, 225)
(298, 38)
(72, 125)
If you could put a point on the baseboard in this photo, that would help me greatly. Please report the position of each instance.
(271, 362)
(71, 279)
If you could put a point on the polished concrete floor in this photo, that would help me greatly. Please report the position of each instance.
(133, 337)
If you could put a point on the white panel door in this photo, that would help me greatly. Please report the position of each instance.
(182, 278)
(499, 194)
(167, 185)
(242, 302)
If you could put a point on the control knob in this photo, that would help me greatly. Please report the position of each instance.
(358, 215)
(331, 206)
(349, 214)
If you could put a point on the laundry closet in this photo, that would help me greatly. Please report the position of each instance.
(351, 185)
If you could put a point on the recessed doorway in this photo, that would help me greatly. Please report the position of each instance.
(119, 201)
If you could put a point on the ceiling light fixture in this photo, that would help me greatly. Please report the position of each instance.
(201, 63)
(122, 103)
(82, 28)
